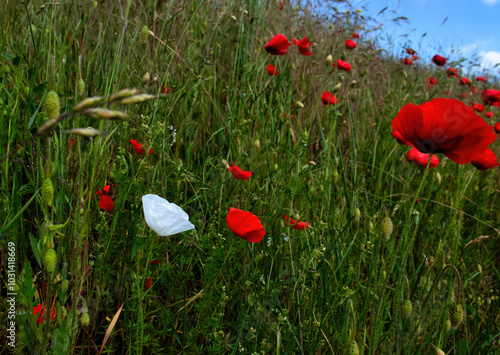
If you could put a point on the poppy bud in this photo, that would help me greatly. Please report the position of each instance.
(47, 192)
(144, 34)
(52, 105)
(64, 285)
(386, 227)
(81, 87)
(448, 325)
(50, 260)
(416, 215)
(357, 214)
(275, 166)
(370, 226)
(146, 77)
(299, 104)
(329, 60)
(406, 309)
(438, 178)
(85, 319)
(337, 87)
(456, 315)
(354, 348)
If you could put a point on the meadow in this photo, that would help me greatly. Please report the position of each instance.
(104, 102)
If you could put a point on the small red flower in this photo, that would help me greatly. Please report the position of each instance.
(164, 91)
(401, 140)
(281, 5)
(137, 147)
(154, 262)
(496, 127)
(491, 96)
(278, 45)
(343, 65)
(432, 81)
(238, 173)
(463, 95)
(473, 89)
(439, 60)
(350, 44)
(451, 72)
(421, 159)
(294, 224)
(328, 98)
(271, 70)
(245, 225)
(355, 35)
(445, 126)
(415, 57)
(481, 78)
(105, 202)
(410, 51)
(489, 115)
(41, 309)
(485, 160)
(148, 284)
(477, 107)
(407, 61)
(303, 46)
(464, 81)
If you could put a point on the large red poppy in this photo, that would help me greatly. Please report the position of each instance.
(350, 44)
(421, 159)
(328, 98)
(445, 126)
(491, 96)
(343, 65)
(271, 70)
(485, 160)
(245, 225)
(238, 173)
(439, 60)
(303, 46)
(278, 45)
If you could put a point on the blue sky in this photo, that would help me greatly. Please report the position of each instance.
(472, 27)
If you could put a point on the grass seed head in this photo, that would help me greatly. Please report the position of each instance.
(52, 105)
(48, 192)
(81, 87)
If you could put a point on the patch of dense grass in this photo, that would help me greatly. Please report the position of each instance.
(336, 167)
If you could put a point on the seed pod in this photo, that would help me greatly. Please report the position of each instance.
(354, 348)
(81, 87)
(50, 260)
(85, 319)
(357, 214)
(456, 315)
(51, 105)
(88, 102)
(406, 309)
(386, 227)
(64, 285)
(48, 192)
(144, 34)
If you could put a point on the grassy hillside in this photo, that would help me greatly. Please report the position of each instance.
(347, 284)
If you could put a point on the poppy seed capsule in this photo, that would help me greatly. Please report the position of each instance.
(406, 309)
(85, 319)
(52, 105)
(456, 315)
(81, 87)
(386, 227)
(50, 260)
(354, 348)
(47, 192)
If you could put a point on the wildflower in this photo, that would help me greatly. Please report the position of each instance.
(477, 107)
(164, 217)
(148, 284)
(294, 224)
(489, 115)
(154, 262)
(415, 57)
(439, 60)
(485, 160)
(464, 81)
(432, 81)
(463, 95)
(473, 89)
(491, 96)
(303, 46)
(328, 98)
(164, 90)
(451, 72)
(137, 147)
(355, 35)
(343, 65)
(410, 51)
(245, 225)
(271, 70)
(445, 126)
(350, 44)
(41, 309)
(105, 202)
(238, 173)
(407, 61)
(421, 159)
(481, 78)
(278, 45)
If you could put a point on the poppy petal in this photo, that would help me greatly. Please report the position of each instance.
(245, 225)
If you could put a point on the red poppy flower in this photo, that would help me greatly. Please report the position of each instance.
(451, 72)
(350, 44)
(432, 81)
(148, 284)
(137, 147)
(355, 35)
(464, 81)
(303, 46)
(491, 96)
(463, 95)
(421, 159)
(481, 78)
(473, 89)
(485, 160)
(496, 127)
(407, 61)
(278, 45)
(105, 202)
(294, 224)
(328, 98)
(164, 91)
(445, 126)
(41, 309)
(271, 70)
(343, 65)
(415, 57)
(245, 225)
(410, 51)
(401, 140)
(154, 262)
(439, 60)
(489, 115)
(238, 173)
(477, 107)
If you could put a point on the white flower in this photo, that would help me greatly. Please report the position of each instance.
(163, 217)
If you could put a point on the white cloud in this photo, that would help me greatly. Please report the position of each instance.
(489, 59)
(491, 2)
